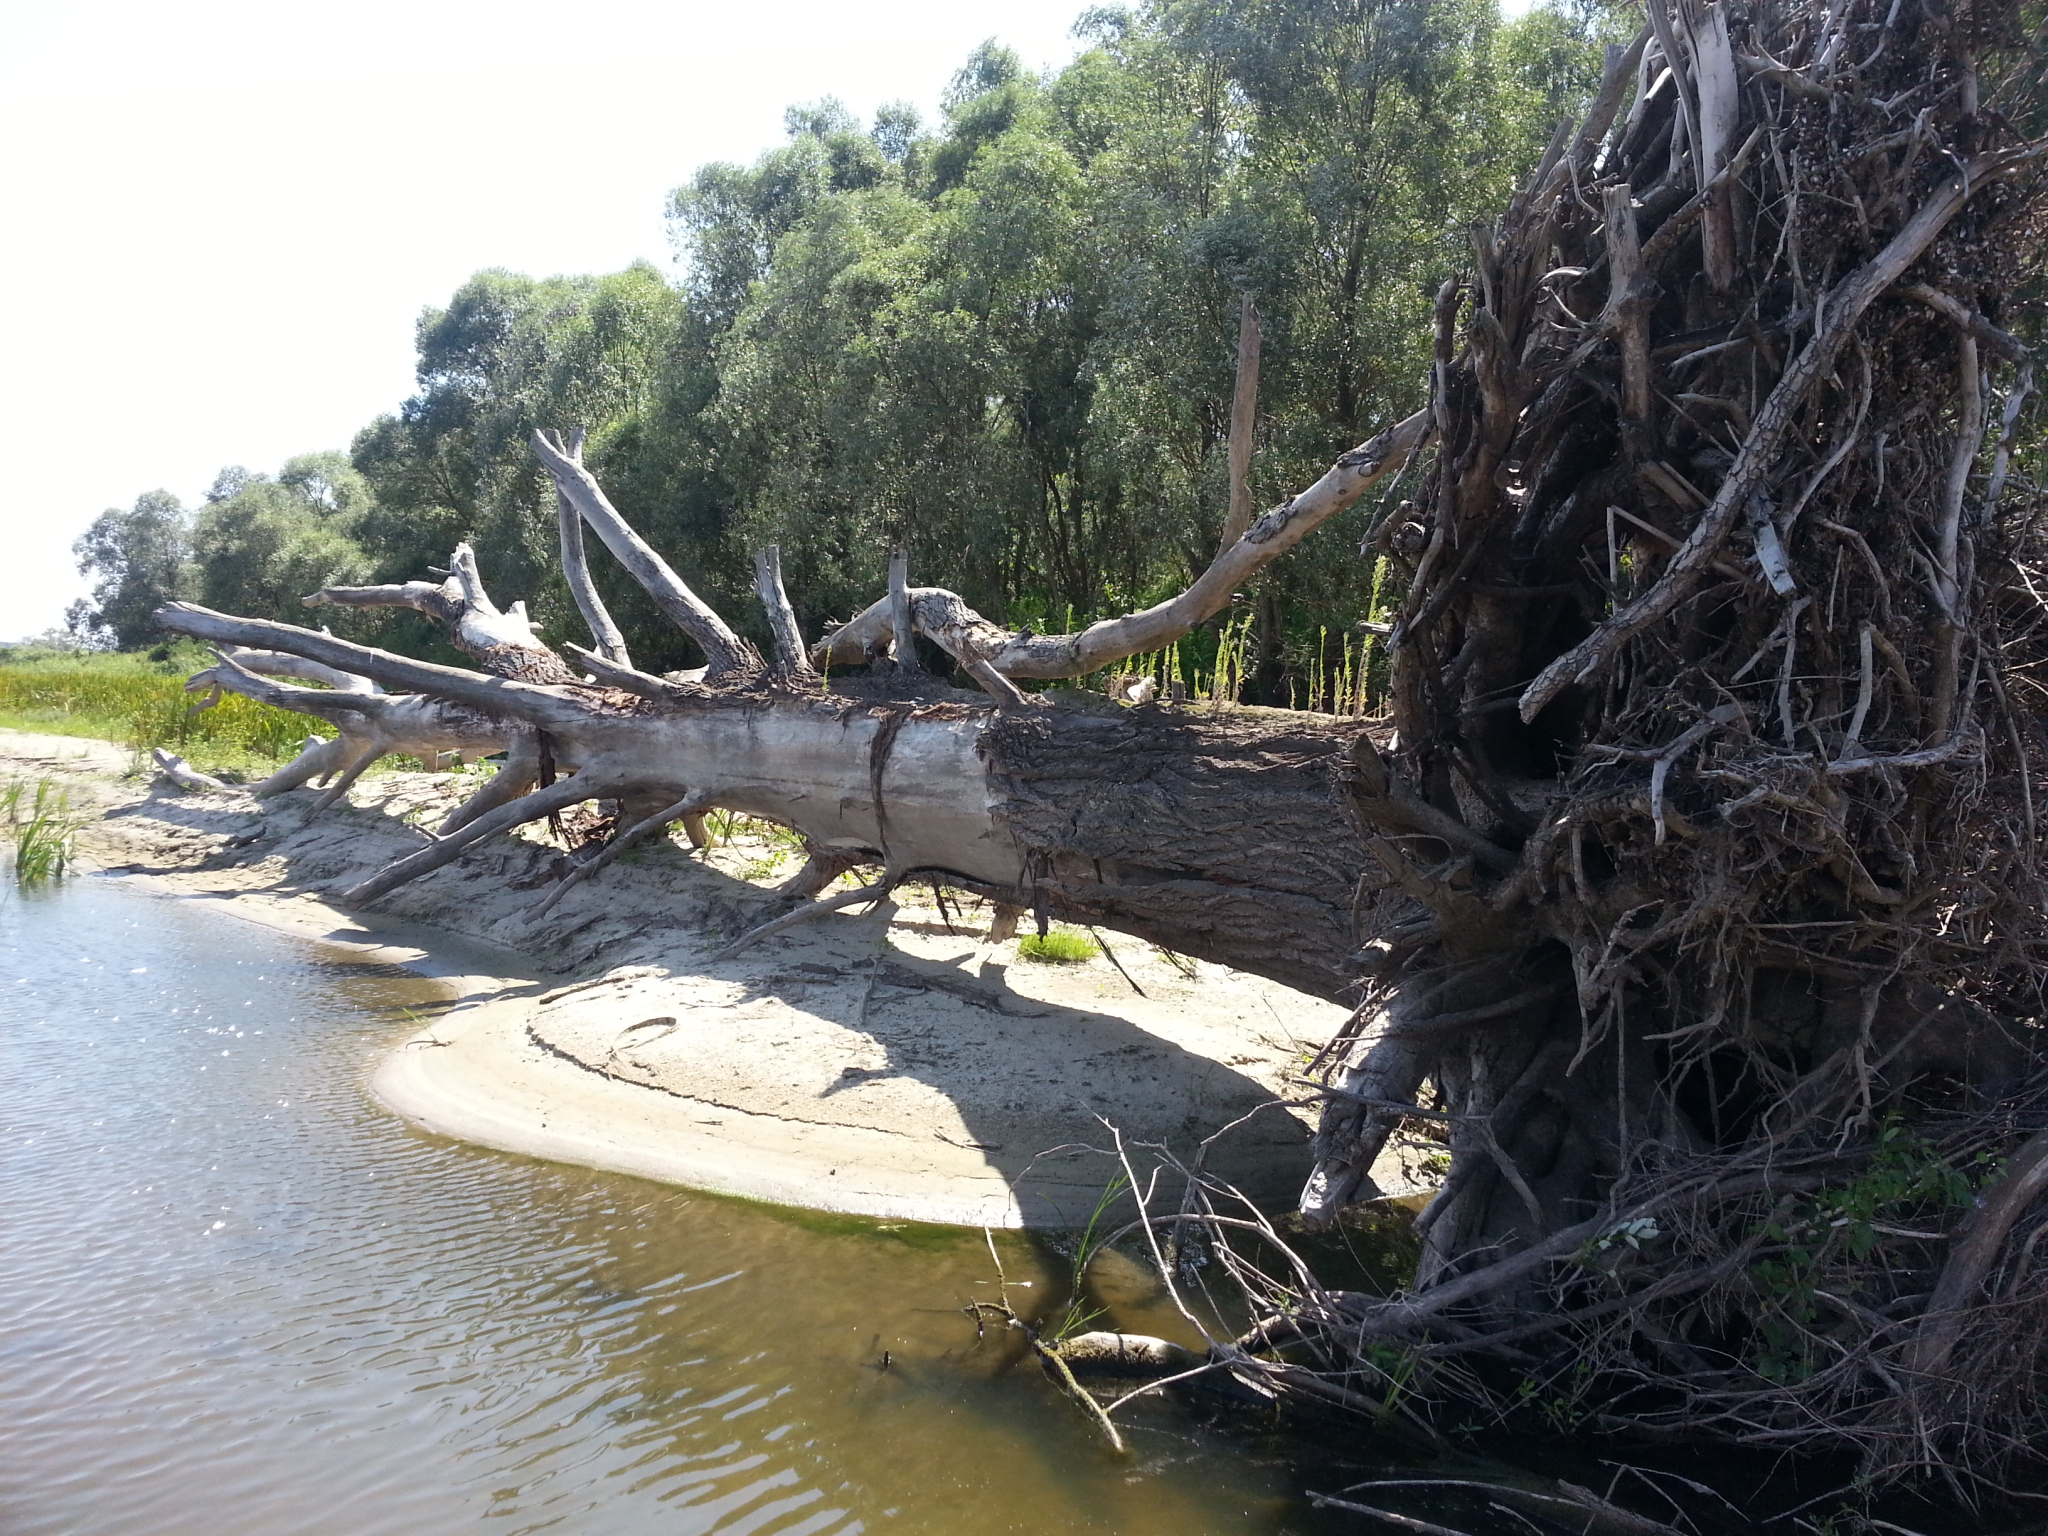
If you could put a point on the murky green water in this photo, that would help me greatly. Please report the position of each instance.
(237, 1297)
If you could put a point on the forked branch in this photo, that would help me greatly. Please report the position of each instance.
(725, 652)
(948, 622)
(611, 643)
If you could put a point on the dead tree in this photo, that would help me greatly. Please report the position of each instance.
(1691, 885)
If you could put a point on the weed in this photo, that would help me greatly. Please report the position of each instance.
(140, 702)
(1060, 946)
(41, 828)
(1907, 1179)
(1079, 1317)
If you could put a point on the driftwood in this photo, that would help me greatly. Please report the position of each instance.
(1690, 888)
(183, 774)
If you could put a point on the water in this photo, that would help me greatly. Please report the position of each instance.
(238, 1297)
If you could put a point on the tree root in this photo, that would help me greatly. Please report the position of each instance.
(878, 891)
(634, 835)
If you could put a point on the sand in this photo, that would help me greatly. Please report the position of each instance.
(893, 1064)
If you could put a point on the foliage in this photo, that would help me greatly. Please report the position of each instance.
(40, 826)
(259, 545)
(256, 546)
(142, 704)
(509, 354)
(1008, 341)
(139, 559)
(1908, 1180)
(1058, 946)
(1005, 340)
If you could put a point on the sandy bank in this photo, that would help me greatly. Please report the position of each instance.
(896, 1064)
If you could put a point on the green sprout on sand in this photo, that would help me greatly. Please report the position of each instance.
(1058, 946)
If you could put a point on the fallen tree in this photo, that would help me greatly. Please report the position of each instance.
(1691, 885)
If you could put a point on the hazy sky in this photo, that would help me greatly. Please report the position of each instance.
(223, 217)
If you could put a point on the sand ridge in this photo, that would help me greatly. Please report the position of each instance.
(892, 1063)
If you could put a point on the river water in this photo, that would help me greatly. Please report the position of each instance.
(238, 1298)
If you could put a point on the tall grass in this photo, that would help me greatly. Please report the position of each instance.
(1347, 677)
(41, 828)
(141, 703)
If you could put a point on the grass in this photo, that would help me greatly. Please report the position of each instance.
(1059, 946)
(41, 827)
(139, 700)
(774, 843)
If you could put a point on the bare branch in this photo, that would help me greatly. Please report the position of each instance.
(182, 773)
(611, 643)
(495, 695)
(1774, 421)
(558, 796)
(791, 659)
(632, 837)
(1050, 656)
(2006, 345)
(1244, 408)
(903, 634)
(278, 664)
(502, 639)
(725, 651)
(875, 892)
(626, 679)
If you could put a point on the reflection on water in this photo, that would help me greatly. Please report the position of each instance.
(236, 1297)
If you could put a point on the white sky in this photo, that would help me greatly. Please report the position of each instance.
(222, 217)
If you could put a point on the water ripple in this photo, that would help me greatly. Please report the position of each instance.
(240, 1300)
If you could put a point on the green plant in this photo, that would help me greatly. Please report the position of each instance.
(1907, 1178)
(141, 703)
(1059, 946)
(41, 828)
(1078, 1317)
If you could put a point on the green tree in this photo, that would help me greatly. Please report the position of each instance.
(139, 559)
(509, 354)
(1007, 341)
(260, 544)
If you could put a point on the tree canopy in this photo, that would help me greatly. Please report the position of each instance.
(1005, 339)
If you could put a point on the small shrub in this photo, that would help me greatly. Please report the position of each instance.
(1060, 946)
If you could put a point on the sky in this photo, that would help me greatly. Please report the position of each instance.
(223, 218)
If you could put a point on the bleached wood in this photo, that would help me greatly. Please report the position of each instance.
(791, 657)
(541, 705)
(726, 653)
(902, 633)
(1720, 109)
(182, 773)
(281, 664)
(951, 624)
(1244, 408)
(502, 639)
(611, 643)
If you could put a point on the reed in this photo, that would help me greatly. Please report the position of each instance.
(40, 826)
(141, 703)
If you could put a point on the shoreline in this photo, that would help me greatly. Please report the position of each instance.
(895, 1066)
